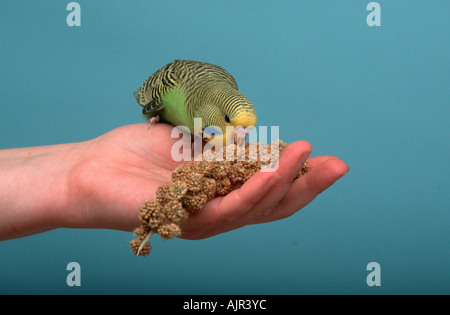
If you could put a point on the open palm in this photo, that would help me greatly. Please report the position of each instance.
(124, 167)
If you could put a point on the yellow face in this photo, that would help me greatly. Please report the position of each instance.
(244, 119)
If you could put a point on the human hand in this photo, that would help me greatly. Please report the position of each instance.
(101, 183)
(124, 167)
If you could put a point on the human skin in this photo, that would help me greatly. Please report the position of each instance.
(101, 183)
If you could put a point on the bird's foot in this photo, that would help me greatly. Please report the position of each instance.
(152, 121)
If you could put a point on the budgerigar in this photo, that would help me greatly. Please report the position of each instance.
(183, 90)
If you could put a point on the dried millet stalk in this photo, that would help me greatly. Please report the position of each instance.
(195, 183)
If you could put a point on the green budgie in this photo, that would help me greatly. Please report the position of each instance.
(183, 90)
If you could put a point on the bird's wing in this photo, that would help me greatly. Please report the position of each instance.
(156, 85)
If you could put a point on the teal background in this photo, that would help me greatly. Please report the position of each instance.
(377, 97)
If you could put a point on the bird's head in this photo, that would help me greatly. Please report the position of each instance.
(234, 118)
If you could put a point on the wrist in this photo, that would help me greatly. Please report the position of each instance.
(34, 188)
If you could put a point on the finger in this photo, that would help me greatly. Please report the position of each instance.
(316, 160)
(239, 201)
(307, 187)
(233, 213)
(222, 210)
(291, 162)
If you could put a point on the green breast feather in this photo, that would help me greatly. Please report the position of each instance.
(174, 108)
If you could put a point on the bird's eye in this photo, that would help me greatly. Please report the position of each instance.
(227, 119)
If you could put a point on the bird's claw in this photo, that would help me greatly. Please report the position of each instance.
(152, 121)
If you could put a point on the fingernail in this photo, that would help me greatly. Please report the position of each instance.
(306, 154)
